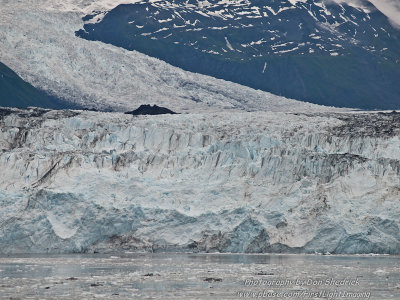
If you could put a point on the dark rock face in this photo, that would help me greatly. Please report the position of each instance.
(15, 92)
(147, 109)
(316, 51)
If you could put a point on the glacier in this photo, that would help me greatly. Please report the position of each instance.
(254, 182)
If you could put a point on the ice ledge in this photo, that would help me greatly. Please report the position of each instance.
(75, 181)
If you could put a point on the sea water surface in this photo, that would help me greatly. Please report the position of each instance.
(199, 276)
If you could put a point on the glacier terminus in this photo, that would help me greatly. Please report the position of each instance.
(253, 182)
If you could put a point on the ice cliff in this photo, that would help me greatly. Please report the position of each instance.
(74, 181)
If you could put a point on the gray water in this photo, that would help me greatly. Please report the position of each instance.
(199, 276)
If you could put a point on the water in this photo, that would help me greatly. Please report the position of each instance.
(199, 276)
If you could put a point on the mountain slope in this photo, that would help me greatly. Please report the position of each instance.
(37, 40)
(15, 92)
(330, 54)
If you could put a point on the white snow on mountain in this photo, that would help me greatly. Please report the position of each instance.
(37, 41)
(231, 182)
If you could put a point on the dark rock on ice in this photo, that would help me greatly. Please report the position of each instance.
(147, 109)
